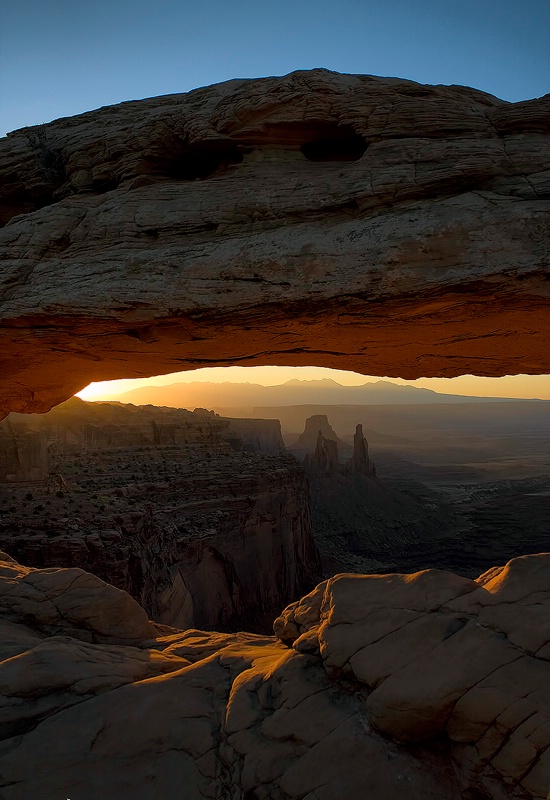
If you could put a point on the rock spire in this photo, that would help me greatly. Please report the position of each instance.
(324, 460)
(360, 461)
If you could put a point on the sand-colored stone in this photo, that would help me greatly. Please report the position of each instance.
(441, 655)
(195, 230)
(440, 706)
(71, 602)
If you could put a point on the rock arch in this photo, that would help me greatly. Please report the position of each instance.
(193, 230)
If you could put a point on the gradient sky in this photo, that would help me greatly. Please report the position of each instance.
(526, 386)
(64, 57)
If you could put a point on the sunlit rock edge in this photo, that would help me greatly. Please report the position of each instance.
(430, 681)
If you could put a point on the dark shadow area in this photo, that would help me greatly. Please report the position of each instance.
(340, 143)
(185, 162)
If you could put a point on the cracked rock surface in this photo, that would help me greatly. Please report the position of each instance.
(419, 686)
(371, 224)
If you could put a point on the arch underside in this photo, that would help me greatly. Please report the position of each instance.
(318, 219)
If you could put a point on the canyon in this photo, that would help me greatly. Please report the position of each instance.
(204, 521)
(360, 523)
(457, 490)
(208, 530)
(370, 224)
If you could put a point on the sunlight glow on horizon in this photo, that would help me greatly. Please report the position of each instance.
(520, 386)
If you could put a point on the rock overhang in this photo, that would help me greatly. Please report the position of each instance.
(348, 221)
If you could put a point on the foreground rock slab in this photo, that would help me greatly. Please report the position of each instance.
(371, 224)
(419, 686)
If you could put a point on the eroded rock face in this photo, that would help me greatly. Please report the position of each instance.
(324, 459)
(440, 655)
(360, 461)
(23, 451)
(257, 435)
(202, 527)
(70, 602)
(424, 686)
(308, 440)
(363, 223)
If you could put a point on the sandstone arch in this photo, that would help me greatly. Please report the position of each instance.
(193, 230)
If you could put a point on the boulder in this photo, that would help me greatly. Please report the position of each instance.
(436, 655)
(381, 686)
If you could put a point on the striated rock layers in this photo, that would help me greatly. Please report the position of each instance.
(82, 426)
(243, 541)
(171, 506)
(23, 451)
(265, 437)
(349, 221)
(425, 686)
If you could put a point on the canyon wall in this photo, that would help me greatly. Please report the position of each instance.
(244, 542)
(202, 528)
(263, 438)
(23, 452)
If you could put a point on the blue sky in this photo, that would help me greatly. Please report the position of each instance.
(63, 57)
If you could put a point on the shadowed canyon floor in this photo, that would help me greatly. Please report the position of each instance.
(454, 489)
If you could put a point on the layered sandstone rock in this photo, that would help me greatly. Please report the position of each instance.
(365, 223)
(204, 528)
(419, 686)
(23, 451)
(79, 426)
(348, 221)
(438, 655)
(70, 602)
(243, 541)
(257, 435)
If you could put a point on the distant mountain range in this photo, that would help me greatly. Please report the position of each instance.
(292, 393)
